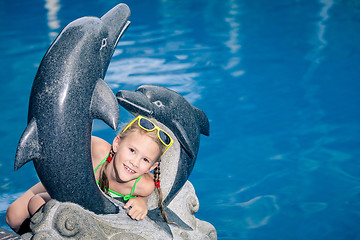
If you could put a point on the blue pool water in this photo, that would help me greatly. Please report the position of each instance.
(279, 81)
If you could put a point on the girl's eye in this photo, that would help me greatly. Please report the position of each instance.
(146, 160)
(132, 150)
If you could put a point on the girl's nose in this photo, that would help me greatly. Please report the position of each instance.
(134, 161)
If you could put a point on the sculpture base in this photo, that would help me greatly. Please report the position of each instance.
(58, 220)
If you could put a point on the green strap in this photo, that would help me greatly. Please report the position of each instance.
(102, 162)
(115, 194)
(133, 188)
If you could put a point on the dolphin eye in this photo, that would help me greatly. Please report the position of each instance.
(103, 43)
(158, 103)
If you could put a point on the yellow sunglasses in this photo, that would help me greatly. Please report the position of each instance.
(149, 126)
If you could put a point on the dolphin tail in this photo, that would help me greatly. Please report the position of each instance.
(104, 105)
(174, 219)
(28, 147)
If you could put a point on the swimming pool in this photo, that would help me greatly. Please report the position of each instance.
(279, 81)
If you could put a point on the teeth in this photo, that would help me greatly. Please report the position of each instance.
(130, 170)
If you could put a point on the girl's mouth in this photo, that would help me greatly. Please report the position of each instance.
(129, 170)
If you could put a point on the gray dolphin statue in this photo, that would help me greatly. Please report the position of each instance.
(185, 121)
(67, 94)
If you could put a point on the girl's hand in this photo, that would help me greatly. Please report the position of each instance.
(137, 208)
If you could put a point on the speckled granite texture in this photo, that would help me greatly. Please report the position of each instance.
(67, 94)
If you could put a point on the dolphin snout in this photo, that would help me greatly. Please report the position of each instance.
(135, 102)
(117, 21)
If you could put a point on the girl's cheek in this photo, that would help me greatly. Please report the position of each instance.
(145, 166)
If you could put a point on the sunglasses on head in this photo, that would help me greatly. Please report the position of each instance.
(149, 126)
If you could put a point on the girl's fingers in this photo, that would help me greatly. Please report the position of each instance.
(133, 214)
(128, 204)
(136, 215)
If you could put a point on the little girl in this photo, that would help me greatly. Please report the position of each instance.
(122, 170)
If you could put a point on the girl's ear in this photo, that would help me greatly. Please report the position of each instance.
(154, 166)
(116, 143)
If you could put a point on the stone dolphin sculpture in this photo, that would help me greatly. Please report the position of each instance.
(185, 121)
(67, 94)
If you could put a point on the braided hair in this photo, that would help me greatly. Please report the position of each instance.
(103, 180)
(160, 194)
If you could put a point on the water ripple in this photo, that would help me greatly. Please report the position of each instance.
(130, 73)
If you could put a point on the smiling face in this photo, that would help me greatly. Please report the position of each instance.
(136, 154)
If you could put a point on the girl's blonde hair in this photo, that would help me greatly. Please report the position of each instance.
(103, 180)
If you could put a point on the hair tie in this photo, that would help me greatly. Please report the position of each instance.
(111, 155)
(157, 184)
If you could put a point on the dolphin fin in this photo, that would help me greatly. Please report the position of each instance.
(203, 121)
(104, 105)
(174, 219)
(28, 147)
(184, 139)
(156, 216)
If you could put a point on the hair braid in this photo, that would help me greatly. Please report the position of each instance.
(160, 205)
(103, 180)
